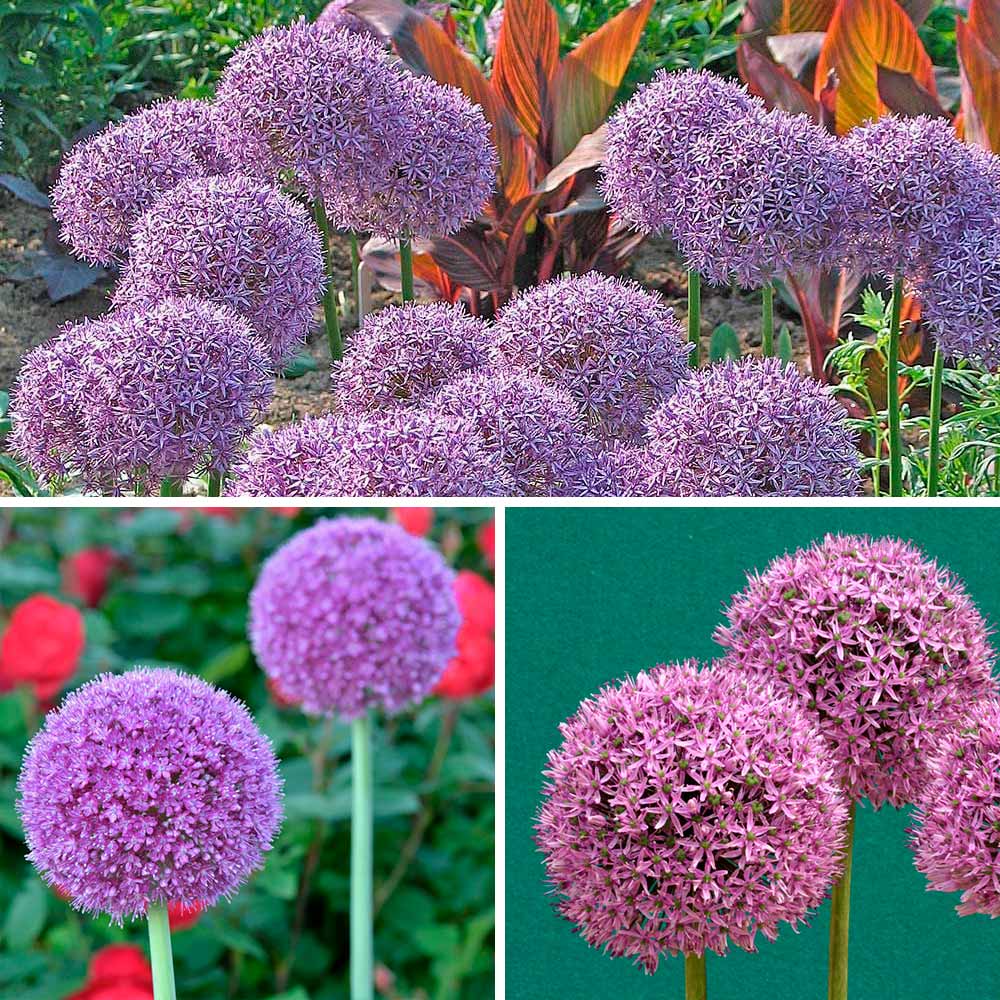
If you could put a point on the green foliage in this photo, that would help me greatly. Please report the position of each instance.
(938, 35)
(179, 598)
(724, 345)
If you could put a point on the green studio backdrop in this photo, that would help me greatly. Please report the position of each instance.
(595, 594)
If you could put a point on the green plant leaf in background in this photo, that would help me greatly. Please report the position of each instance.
(724, 345)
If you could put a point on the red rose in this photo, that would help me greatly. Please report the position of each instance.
(182, 917)
(85, 574)
(42, 646)
(486, 540)
(119, 963)
(471, 673)
(416, 520)
(476, 600)
(286, 511)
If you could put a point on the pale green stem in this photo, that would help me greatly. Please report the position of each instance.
(934, 456)
(694, 316)
(362, 938)
(695, 979)
(767, 321)
(840, 918)
(330, 295)
(160, 955)
(215, 484)
(892, 382)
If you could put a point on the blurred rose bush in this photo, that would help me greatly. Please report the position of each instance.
(86, 591)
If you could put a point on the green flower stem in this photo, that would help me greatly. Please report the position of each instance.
(160, 956)
(892, 385)
(767, 321)
(355, 279)
(330, 295)
(362, 940)
(695, 981)
(215, 484)
(840, 918)
(694, 316)
(406, 266)
(934, 458)
(169, 488)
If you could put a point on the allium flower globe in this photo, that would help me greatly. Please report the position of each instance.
(535, 428)
(688, 809)
(957, 836)
(750, 428)
(881, 643)
(335, 16)
(651, 138)
(140, 394)
(354, 614)
(107, 181)
(397, 453)
(764, 195)
(403, 354)
(613, 346)
(238, 243)
(147, 788)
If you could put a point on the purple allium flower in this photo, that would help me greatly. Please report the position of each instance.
(140, 394)
(108, 180)
(536, 428)
(956, 840)
(403, 354)
(613, 346)
(149, 787)
(335, 16)
(395, 453)
(615, 470)
(236, 242)
(651, 138)
(762, 196)
(959, 292)
(320, 105)
(749, 428)
(493, 25)
(882, 643)
(921, 188)
(686, 809)
(354, 614)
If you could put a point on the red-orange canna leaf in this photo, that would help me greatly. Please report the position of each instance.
(785, 17)
(984, 23)
(589, 77)
(980, 89)
(525, 63)
(772, 82)
(863, 35)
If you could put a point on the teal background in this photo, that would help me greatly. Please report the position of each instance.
(594, 594)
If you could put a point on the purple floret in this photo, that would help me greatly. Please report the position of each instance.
(536, 428)
(139, 395)
(688, 809)
(651, 139)
(354, 614)
(752, 428)
(237, 242)
(107, 181)
(395, 453)
(403, 354)
(151, 787)
(613, 346)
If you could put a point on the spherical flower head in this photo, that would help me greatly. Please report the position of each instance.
(319, 105)
(534, 427)
(750, 428)
(146, 788)
(236, 242)
(336, 17)
(613, 346)
(651, 137)
(688, 809)
(402, 354)
(880, 642)
(446, 164)
(958, 813)
(921, 188)
(765, 195)
(150, 392)
(108, 180)
(959, 292)
(616, 470)
(41, 646)
(396, 453)
(354, 614)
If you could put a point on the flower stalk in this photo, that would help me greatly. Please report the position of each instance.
(406, 266)
(160, 954)
(767, 321)
(362, 943)
(695, 979)
(934, 456)
(840, 916)
(892, 392)
(330, 293)
(355, 275)
(694, 316)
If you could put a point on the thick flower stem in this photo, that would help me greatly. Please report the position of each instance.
(215, 484)
(892, 385)
(695, 980)
(934, 455)
(840, 917)
(168, 487)
(355, 278)
(330, 295)
(406, 266)
(160, 956)
(767, 321)
(694, 316)
(362, 940)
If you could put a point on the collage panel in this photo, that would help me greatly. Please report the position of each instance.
(246, 753)
(702, 703)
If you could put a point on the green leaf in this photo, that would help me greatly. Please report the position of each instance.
(26, 916)
(148, 617)
(785, 345)
(224, 664)
(297, 994)
(725, 344)
(300, 365)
